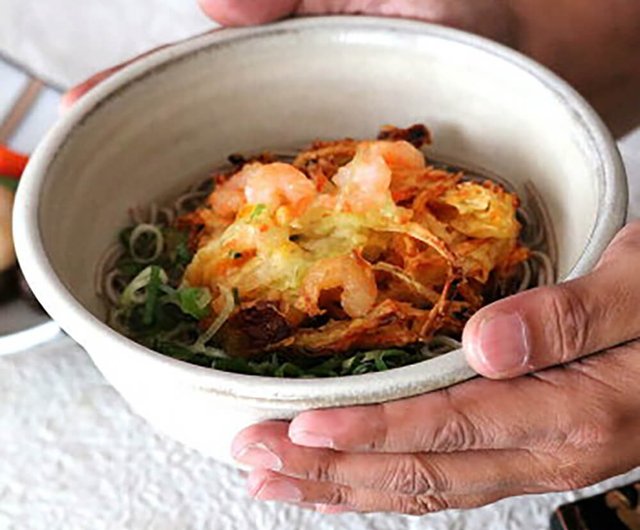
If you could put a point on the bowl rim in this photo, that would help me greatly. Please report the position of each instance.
(367, 388)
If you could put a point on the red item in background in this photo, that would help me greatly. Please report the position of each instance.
(12, 164)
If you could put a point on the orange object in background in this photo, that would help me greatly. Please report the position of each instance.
(12, 164)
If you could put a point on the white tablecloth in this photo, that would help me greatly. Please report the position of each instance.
(72, 454)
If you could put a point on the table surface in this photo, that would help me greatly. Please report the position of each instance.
(73, 455)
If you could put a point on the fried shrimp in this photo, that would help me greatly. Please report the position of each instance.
(399, 155)
(350, 274)
(364, 182)
(229, 197)
(278, 184)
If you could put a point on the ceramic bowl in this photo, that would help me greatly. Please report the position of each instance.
(162, 123)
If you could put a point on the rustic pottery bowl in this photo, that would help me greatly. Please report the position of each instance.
(165, 121)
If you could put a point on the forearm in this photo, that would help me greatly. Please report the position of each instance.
(593, 44)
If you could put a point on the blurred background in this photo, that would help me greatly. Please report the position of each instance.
(72, 455)
(63, 41)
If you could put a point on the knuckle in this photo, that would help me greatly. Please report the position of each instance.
(598, 427)
(337, 495)
(627, 241)
(568, 322)
(589, 435)
(413, 475)
(322, 469)
(423, 504)
(599, 420)
(573, 463)
(457, 433)
(629, 237)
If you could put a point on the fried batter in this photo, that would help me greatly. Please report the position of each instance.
(354, 245)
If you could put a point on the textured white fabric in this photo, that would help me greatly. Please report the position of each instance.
(72, 454)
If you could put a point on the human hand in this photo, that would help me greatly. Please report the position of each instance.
(480, 441)
(562, 428)
(491, 18)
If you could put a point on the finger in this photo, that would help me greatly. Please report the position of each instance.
(322, 508)
(554, 325)
(492, 19)
(479, 414)
(271, 486)
(75, 93)
(330, 509)
(247, 12)
(530, 411)
(472, 472)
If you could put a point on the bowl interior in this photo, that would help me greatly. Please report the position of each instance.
(166, 124)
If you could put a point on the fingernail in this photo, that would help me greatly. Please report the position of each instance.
(502, 344)
(310, 439)
(274, 490)
(259, 455)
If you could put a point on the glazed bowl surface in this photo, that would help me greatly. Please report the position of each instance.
(164, 122)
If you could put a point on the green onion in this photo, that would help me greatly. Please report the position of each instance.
(151, 240)
(180, 352)
(132, 294)
(278, 365)
(257, 211)
(153, 289)
(288, 370)
(379, 357)
(194, 301)
(237, 365)
(124, 236)
(130, 268)
(183, 255)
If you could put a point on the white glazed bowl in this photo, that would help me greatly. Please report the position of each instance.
(156, 126)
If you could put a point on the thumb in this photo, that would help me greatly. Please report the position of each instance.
(247, 12)
(554, 325)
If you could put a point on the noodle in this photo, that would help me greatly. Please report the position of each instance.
(112, 292)
(105, 266)
(525, 282)
(169, 216)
